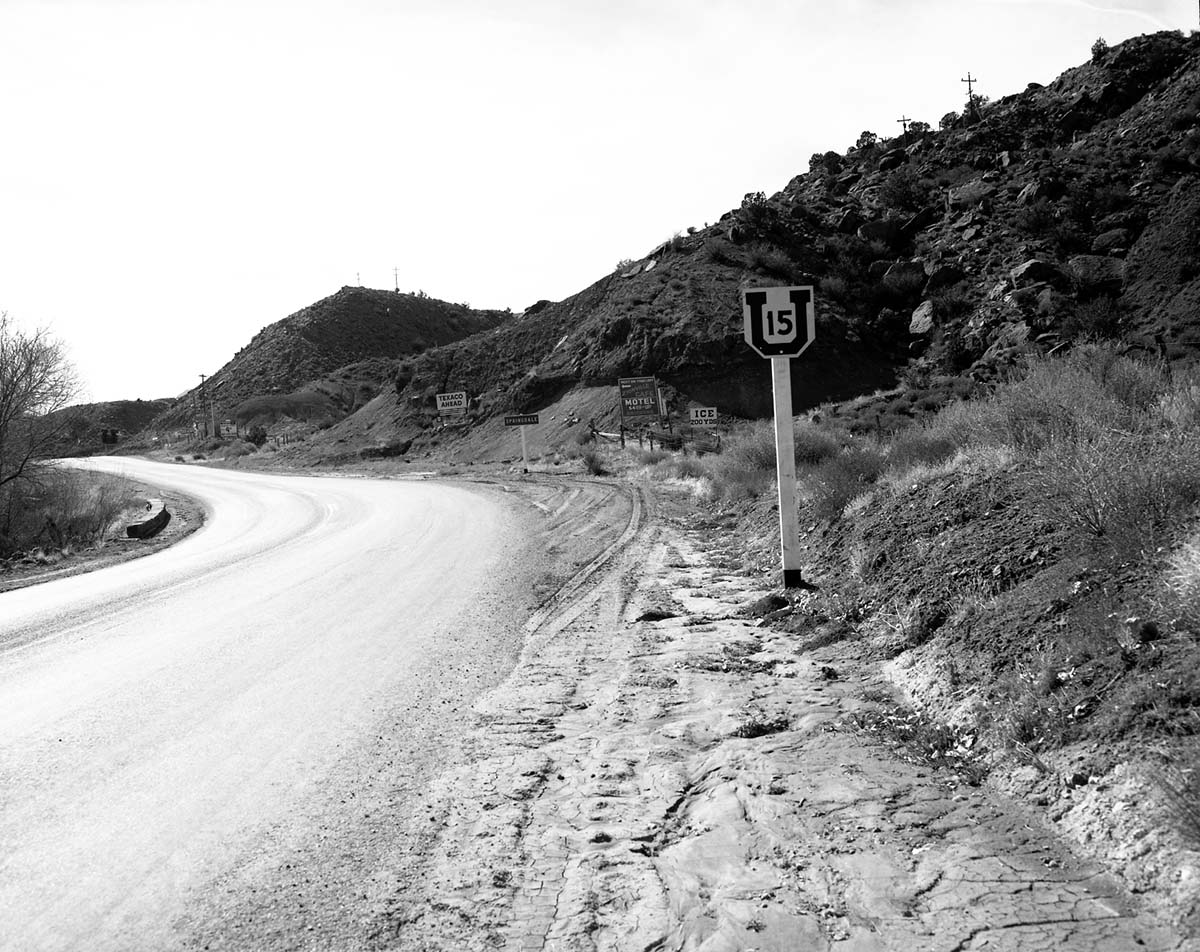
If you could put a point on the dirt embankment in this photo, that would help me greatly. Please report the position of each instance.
(665, 770)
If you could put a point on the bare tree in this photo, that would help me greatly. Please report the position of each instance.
(36, 379)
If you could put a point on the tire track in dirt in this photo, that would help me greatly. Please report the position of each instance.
(692, 782)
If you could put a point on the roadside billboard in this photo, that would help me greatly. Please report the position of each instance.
(452, 405)
(639, 400)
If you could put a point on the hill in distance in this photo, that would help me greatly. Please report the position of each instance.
(328, 358)
(81, 425)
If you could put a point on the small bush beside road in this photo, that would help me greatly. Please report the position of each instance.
(61, 511)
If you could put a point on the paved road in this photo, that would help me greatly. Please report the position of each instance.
(225, 745)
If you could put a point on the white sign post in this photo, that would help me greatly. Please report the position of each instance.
(522, 420)
(780, 323)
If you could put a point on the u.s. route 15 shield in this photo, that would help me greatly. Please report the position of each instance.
(779, 322)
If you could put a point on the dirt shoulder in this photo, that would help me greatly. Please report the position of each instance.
(663, 770)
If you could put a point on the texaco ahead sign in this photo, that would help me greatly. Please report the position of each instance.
(779, 322)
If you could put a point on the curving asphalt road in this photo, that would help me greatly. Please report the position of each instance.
(225, 745)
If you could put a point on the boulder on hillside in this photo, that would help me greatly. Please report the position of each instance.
(877, 269)
(1035, 271)
(921, 220)
(1113, 241)
(849, 221)
(1007, 342)
(841, 185)
(1097, 274)
(922, 319)
(886, 230)
(1043, 188)
(942, 276)
(913, 270)
(892, 160)
(971, 194)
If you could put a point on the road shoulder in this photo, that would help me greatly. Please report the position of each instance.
(663, 771)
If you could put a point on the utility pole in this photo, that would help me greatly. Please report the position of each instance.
(970, 81)
(396, 278)
(904, 121)
(203, 419)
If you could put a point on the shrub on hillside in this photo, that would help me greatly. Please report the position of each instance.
(769, 260)
(650, 457)
(920, 445)
(905, 191)
(1101, 318)
(239, 448)
(844, 477)
(1093, 388)
(721, 251)
(950, 304)
(1130, 491)
(813, 444)
(1183, 581)
(688, 467)
(594, 462)
(1036, 219)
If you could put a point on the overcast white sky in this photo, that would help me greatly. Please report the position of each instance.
(176, 175)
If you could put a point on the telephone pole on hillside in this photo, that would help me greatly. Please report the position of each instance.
(203, 417)
(904, 121)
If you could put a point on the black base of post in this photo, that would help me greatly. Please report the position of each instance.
(792, 578)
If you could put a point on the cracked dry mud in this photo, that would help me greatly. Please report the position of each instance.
(690, 782)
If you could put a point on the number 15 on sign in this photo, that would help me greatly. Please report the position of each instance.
(780, 323)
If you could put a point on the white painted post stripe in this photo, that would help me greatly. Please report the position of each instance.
(785, 470)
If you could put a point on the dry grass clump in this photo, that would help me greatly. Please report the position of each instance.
(59, 510)
(1129, 490)
(651, 457)
(839, 479)
(746, 465)
(594, 462)
(1182, 578)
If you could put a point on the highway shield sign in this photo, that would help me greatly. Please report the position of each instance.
(779, 322)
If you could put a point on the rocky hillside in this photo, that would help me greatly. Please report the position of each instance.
(83, 423)
(354, 325)
(1061, 211)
